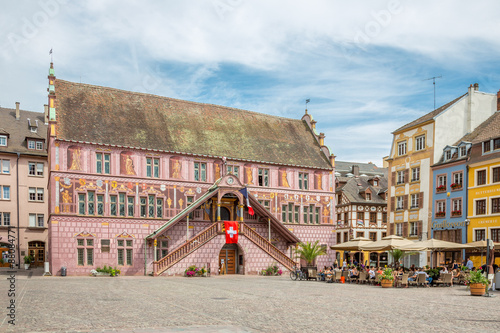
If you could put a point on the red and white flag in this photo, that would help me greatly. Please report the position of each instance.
(231, 231)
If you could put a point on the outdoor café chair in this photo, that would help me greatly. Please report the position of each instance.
(403, 281)
(345, 274)
(445, 279)
(338, 275)
(421, 280)
(362, 277)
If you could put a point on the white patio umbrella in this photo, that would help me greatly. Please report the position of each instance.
(387, 243)
(434, 245)
(352, 245)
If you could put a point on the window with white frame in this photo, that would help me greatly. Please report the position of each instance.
(440, 208)
(458, 178)
(463, 151)
(401, 177)
(447, 155)
(234, 169)
(31, 144)
(5, 218)
(162, 248)
(413, 228)
(125, 252)
(35, 194)
(495, 205)
(481, 207)
(4, 166)
(456, 207)
(415, 174)
(36, 220)
(480, 234)
(414, 200)
(39, 145)
(263, 177)
(152, 167)
(496, 174)
(400, 202)
(103, 163)
(420, 142)
(4, 192)
(3, 140)
(35, 168)
(480, 177)
(303, 181)
(399, 229)
(402, 148)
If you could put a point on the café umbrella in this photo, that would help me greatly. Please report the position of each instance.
(352, 245)
(387, 243)
(434, 245)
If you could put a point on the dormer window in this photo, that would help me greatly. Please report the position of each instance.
(31, 144)
(486, 146)
(368, 196)
(3, 140)
(463, 151)
(447, 155)
(33, 126)
(35, 144)
(375, 182)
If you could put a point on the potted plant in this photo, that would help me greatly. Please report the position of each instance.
(27, 261)
(387, 279)
(477, 283)
(309, 252)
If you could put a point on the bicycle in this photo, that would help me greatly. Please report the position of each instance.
(296, 273)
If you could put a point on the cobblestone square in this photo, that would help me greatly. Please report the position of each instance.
(238, 304)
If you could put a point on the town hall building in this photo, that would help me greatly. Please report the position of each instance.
(145, 183)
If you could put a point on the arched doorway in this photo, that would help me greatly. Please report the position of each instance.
(225, 214)
(231, 260)
(36, 250)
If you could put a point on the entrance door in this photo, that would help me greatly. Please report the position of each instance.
(227, 261)
(37, 252)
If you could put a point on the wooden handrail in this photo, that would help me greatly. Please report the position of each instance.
(267, 247)
(184, 250)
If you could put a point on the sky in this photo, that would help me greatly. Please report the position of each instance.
(364, 65)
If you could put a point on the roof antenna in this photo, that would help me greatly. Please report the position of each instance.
(434, 83)
(307, 101)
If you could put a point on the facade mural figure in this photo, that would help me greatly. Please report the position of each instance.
(176, 170)
(76, 160)
(284, 179)
(217, 171)
(320, 185)
(67, 201)
(248, 171)
(129, 166)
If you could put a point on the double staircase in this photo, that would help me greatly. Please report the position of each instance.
(211, 232)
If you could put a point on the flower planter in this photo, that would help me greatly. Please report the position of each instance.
(386, 283)
(477, 289)
(26, 266)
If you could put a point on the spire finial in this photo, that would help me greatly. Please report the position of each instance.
(307, 101)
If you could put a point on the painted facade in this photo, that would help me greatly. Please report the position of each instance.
(116, 202)
(23, 184)
(418, 145)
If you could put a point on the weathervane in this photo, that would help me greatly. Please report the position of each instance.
(434, 83)
(307, 101)
(50, 53)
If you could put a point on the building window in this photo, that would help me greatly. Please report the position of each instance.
(457, 181)
(113, 205)
(495, 235)
(152, 167)
(373, 217)
(4, 192)
(360, 217)
(263, 177)
(495, 205)
(384, 217)
(311, 214)
(143, 202)
(31, 144)
(100, 204)
(447, 155)
(5, 166)
(415, 174)
(414, 200)
(130, 206)
(481, 207)
(306, 211)
(35, 194)
(481, 177)
(90, 203)
(36, 220)
(81, 204)
(317, 215)
(360, 234)
(373, 236)
(400, 202)
(339, 237)
(85, 250)
(234, 169)
(456, 207)
(290, 212)
(297, 214)
(401, 177)
(4, 218)
(39, 145)
(413, 229)
(346, 236)
(496, 174)
(200, 172)
(162, 249)
(3, 140)
(159, 207)
(375, 182)
(496, 144)
(35, 169)
(125, 252)
(151, 206)
(463, 151)
(441, 183)
(420, 142)
(368, 196)
(486, 146)
(303, 181)
(399, 229)
(103, 163)
(480, 234)
(402, 148)
(284, 213)
(121, 204)
(440, 208)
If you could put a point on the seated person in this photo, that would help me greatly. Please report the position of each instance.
(412, 276)
(354, 273)
(371, 272)
(380, 270)
(427, 277)
(444, 270)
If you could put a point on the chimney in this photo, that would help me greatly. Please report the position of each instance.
(18, 116)
(355, 170)
(46, 114)
(321, 139)
(498, 100)
(476, 86)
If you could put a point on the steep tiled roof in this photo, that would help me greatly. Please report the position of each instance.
(368, 169)
(18, 131)
(489, 129)
(354, 186)
(429, 115)
(111, 116)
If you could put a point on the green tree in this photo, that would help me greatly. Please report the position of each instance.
(398, 254)
(309, 251)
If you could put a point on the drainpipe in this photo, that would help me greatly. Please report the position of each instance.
(145, 256)
(18, 229)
